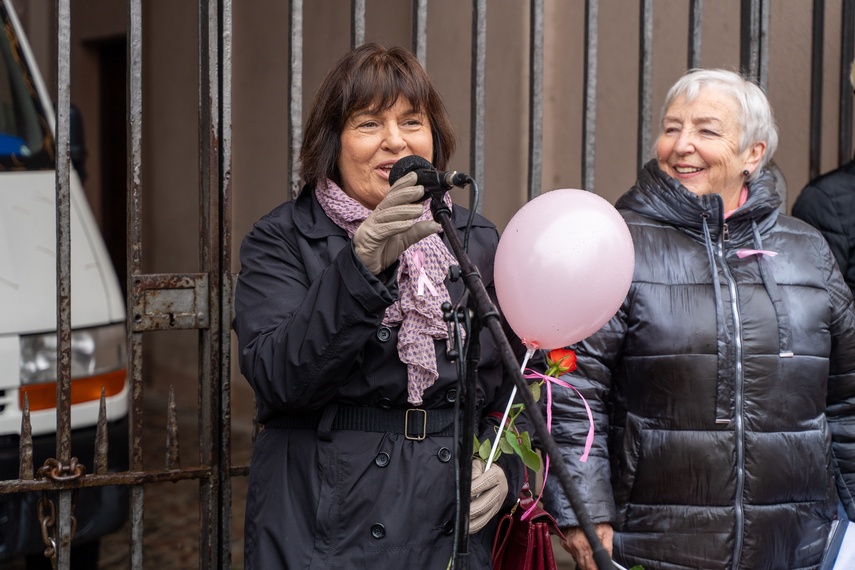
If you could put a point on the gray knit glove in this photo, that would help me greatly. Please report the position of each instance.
(389, 230)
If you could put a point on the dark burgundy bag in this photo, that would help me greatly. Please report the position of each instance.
(525, 544)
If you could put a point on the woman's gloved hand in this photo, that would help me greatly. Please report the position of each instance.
(389, 230)
(488, 493)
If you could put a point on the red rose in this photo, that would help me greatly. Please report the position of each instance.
(560, 361)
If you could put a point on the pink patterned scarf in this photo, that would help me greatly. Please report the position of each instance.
(421, 285)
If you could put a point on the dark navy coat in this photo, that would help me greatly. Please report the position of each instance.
(723, 390)
(828, 204)
(308, 320)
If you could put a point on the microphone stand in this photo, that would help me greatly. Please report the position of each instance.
(486, 314)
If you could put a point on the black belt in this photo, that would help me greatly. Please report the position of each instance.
(414, 423)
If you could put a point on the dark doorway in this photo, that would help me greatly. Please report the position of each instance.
(112, 63)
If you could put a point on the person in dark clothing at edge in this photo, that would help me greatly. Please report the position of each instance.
(337, 314)
(828, 204)
(724, 387)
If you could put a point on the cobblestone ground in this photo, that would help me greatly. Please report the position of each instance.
(171, 510)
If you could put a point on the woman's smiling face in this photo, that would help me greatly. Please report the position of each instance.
(372, 141)
(699, 145)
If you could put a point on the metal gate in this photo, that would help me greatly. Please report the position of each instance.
(202, 300)
(155, 302)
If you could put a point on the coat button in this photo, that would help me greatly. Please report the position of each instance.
(378, 530)
(385, 403)
(451, 396)
(444, 454)
(448, 527)
(384, 334)
(382, 459)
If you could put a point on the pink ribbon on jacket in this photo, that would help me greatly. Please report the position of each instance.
(418, 261)
(746, 252)
(589, 441)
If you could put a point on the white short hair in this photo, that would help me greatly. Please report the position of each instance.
(756, 121)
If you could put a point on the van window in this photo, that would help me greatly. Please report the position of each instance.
(25, 137)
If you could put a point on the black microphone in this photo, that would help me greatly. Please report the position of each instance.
(434, 181)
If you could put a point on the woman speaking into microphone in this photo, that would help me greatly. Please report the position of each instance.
(341, 335)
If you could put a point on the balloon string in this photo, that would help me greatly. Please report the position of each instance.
(528, 354)
(588, 441)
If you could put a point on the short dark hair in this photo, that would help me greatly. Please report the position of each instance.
(370, 77)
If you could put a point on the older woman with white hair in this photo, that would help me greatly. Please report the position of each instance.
(724, 388)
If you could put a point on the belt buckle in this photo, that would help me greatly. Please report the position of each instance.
(407, 424)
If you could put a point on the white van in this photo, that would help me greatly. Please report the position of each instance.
(28, 311)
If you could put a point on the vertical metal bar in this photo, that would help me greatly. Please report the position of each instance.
(137, 499)
(134, 269)
(749, 43)
(63, 272)
(357, 23)
(817, 47)
(645, 80)
(847, 31)
(535, 95)
(479, 66)
(225, 455)
(63, 533)
(763, 45)
(173, 450)
(225, 297)
(25, 449)
(420, 30)
(589, 129)
(209, 217)
(696, 9)
(63, 232)
(295, 94)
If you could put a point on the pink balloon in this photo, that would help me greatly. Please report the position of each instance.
(563, 267)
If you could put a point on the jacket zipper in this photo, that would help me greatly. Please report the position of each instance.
(739, 428)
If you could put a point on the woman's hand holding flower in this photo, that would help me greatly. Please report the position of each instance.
(489, 490)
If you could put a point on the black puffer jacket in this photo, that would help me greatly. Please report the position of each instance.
(828, 204)
(723, 389)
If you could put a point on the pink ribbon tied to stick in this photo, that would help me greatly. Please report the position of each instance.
(589, 441)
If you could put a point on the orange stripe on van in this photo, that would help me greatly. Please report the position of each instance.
(43, 396)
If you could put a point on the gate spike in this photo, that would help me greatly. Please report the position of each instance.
(101, 442)
(25, 449)
(173, 460)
